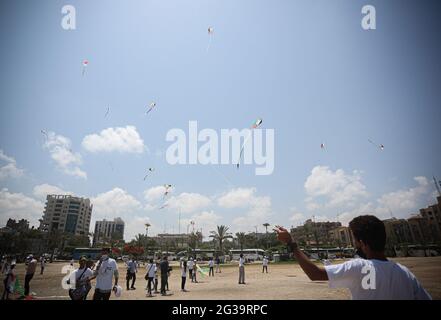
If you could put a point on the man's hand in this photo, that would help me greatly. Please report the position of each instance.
(283, 235)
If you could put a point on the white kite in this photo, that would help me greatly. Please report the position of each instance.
(381, 146)
(149, 171)
(210, 35)
(85, 64)
(151, 107)
(107, 112)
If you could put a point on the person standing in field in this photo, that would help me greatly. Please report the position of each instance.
(211, 266)
(218, 270)
(156, 267)
(42, 264)
(164, 267)
(265, 264)
(106, 270)
(150, 276)
(80, 280)
(371, 277)
(9, 278)
(132, 269)
(31, 266)
(190, 269)
(183, 275)
(241, 269)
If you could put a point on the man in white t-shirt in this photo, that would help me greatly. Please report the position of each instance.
(211, 267)
(190, 266)
(150, 276)
(265, 264)
(373, 277)
(106, 270)
(241, 269)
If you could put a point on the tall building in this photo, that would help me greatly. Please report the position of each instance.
(67, 214)
(314, 233)
(432, 215)
(342, 236)
(398, 231)
(108, 230)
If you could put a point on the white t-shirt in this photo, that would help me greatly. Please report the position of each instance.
(265, 262)
(78, 275)
(151, 269)
(184, 271)
(105, 275)
(190, 265)
(211, 263)
(376, 280)
(156, 270)
(241, 262)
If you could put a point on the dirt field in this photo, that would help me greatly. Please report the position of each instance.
(284, 281)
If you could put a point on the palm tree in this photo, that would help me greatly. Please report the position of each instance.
(220, 235)
(241, 239)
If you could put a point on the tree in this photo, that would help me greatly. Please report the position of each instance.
(220, 235)
(266, 225)
(240, 239)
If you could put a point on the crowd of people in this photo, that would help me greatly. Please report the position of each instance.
(390, 280)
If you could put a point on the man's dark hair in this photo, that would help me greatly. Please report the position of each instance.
(105, 249)
(370, 230)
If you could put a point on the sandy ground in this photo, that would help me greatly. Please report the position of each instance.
(283, 282)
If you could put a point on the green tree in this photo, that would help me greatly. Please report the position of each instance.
(220, 235)
(241, 239)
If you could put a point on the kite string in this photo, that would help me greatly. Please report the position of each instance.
(243, 146)
(223, 176)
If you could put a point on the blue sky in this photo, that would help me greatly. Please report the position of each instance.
(307, 68)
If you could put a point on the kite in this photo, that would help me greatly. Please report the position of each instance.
(322, 146)
(255, 125)
(85, 64)
(152, 105)
(377, 145)
(201, 271)
(210, 33)
(44, 133)
(148, 172)
(107, 112)
(167, 187)
(164, 206)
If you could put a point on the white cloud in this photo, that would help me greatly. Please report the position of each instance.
(114, 203)
(296, 218)
(136, 225)
(41, 191)
(258, 207)
(154, 194)
(9, 170)
(400, 203)
(118, 139)
(19, 206)
(335, 188)
(118, 203)
(60, 150)
(237, 198)
(206, 220)
(189, 202)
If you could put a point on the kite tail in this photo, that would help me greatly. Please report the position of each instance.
(209, 42)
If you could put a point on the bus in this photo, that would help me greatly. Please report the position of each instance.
(248, 254)
(90, 253)
(200, 254)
